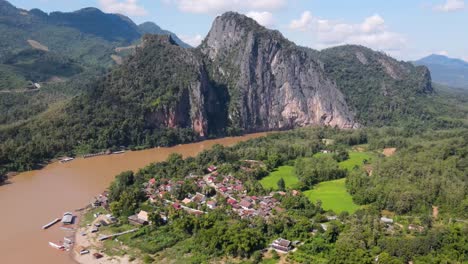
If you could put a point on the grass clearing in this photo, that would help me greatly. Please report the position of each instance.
(333, 195)
(88, 217)
(285, 172)
(355, 159)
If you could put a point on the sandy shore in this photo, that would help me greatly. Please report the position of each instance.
(90, 242)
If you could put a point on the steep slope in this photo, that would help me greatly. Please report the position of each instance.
(158, 97)
(87, 35)
(380, 89)
(273, 83)
(447, 71)
(242, 78)
(152, 28)
(37, 47)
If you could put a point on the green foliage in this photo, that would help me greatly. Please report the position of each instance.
(381, 90)
(430, 171)
(357, 237)
(3, 177)
(281, 185)
(319, 168)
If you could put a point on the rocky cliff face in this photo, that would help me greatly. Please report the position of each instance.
(273, 84)
(246, 78)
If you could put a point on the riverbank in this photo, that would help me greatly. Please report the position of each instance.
(58, 187)
(85, 239)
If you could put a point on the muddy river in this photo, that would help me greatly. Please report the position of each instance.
(35, 198)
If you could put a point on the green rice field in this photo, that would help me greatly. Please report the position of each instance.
(355, 159)
(333, 195)
(285, 172)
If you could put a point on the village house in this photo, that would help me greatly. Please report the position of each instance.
(281, 245)
(231, 201)
(245, 204)
(67, 218)
(177, 206)
(152, 182)
(186, 201)
(211, 204)
(386, 220)
(198, 198)
(100, 200)
(139, 219)
(212, 168)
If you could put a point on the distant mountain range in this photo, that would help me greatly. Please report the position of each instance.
(447, 71)
(81, 39)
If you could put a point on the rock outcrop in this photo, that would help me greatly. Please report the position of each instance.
(273, 83)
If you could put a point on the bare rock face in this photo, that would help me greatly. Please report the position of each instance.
(273, 83)
(246, 78)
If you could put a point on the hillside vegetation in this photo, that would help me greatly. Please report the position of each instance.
(54, 50)
(406, 186)
(165, 95)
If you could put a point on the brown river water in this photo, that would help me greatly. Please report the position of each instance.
(35, 198)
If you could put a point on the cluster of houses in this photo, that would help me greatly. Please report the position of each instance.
(244, 205)
(248, 206)
(227, 186)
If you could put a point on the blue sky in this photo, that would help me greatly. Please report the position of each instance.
(405, 29)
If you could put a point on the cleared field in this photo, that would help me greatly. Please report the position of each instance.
(285, 172)
(355, 159)
(333, 195)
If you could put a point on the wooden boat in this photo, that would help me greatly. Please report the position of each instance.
(67, 159)
(52, 244)
(53, 222)
(68, 240)
(67, 228)
(119, 152)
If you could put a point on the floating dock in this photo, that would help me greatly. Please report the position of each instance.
(53, 222)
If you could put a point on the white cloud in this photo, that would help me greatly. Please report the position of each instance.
(263, 18)
(193, 41)
(372, 32)
(304, 23)
(450, 6)
(219, 6)
(126, 7)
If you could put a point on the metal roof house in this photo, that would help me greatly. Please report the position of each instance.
(67, 218)
(281, 245)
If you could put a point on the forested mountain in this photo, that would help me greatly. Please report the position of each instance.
(152, 28)
(52, 51)
(88, 37)
(242, 78)
(447, 71)
(380, 89)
